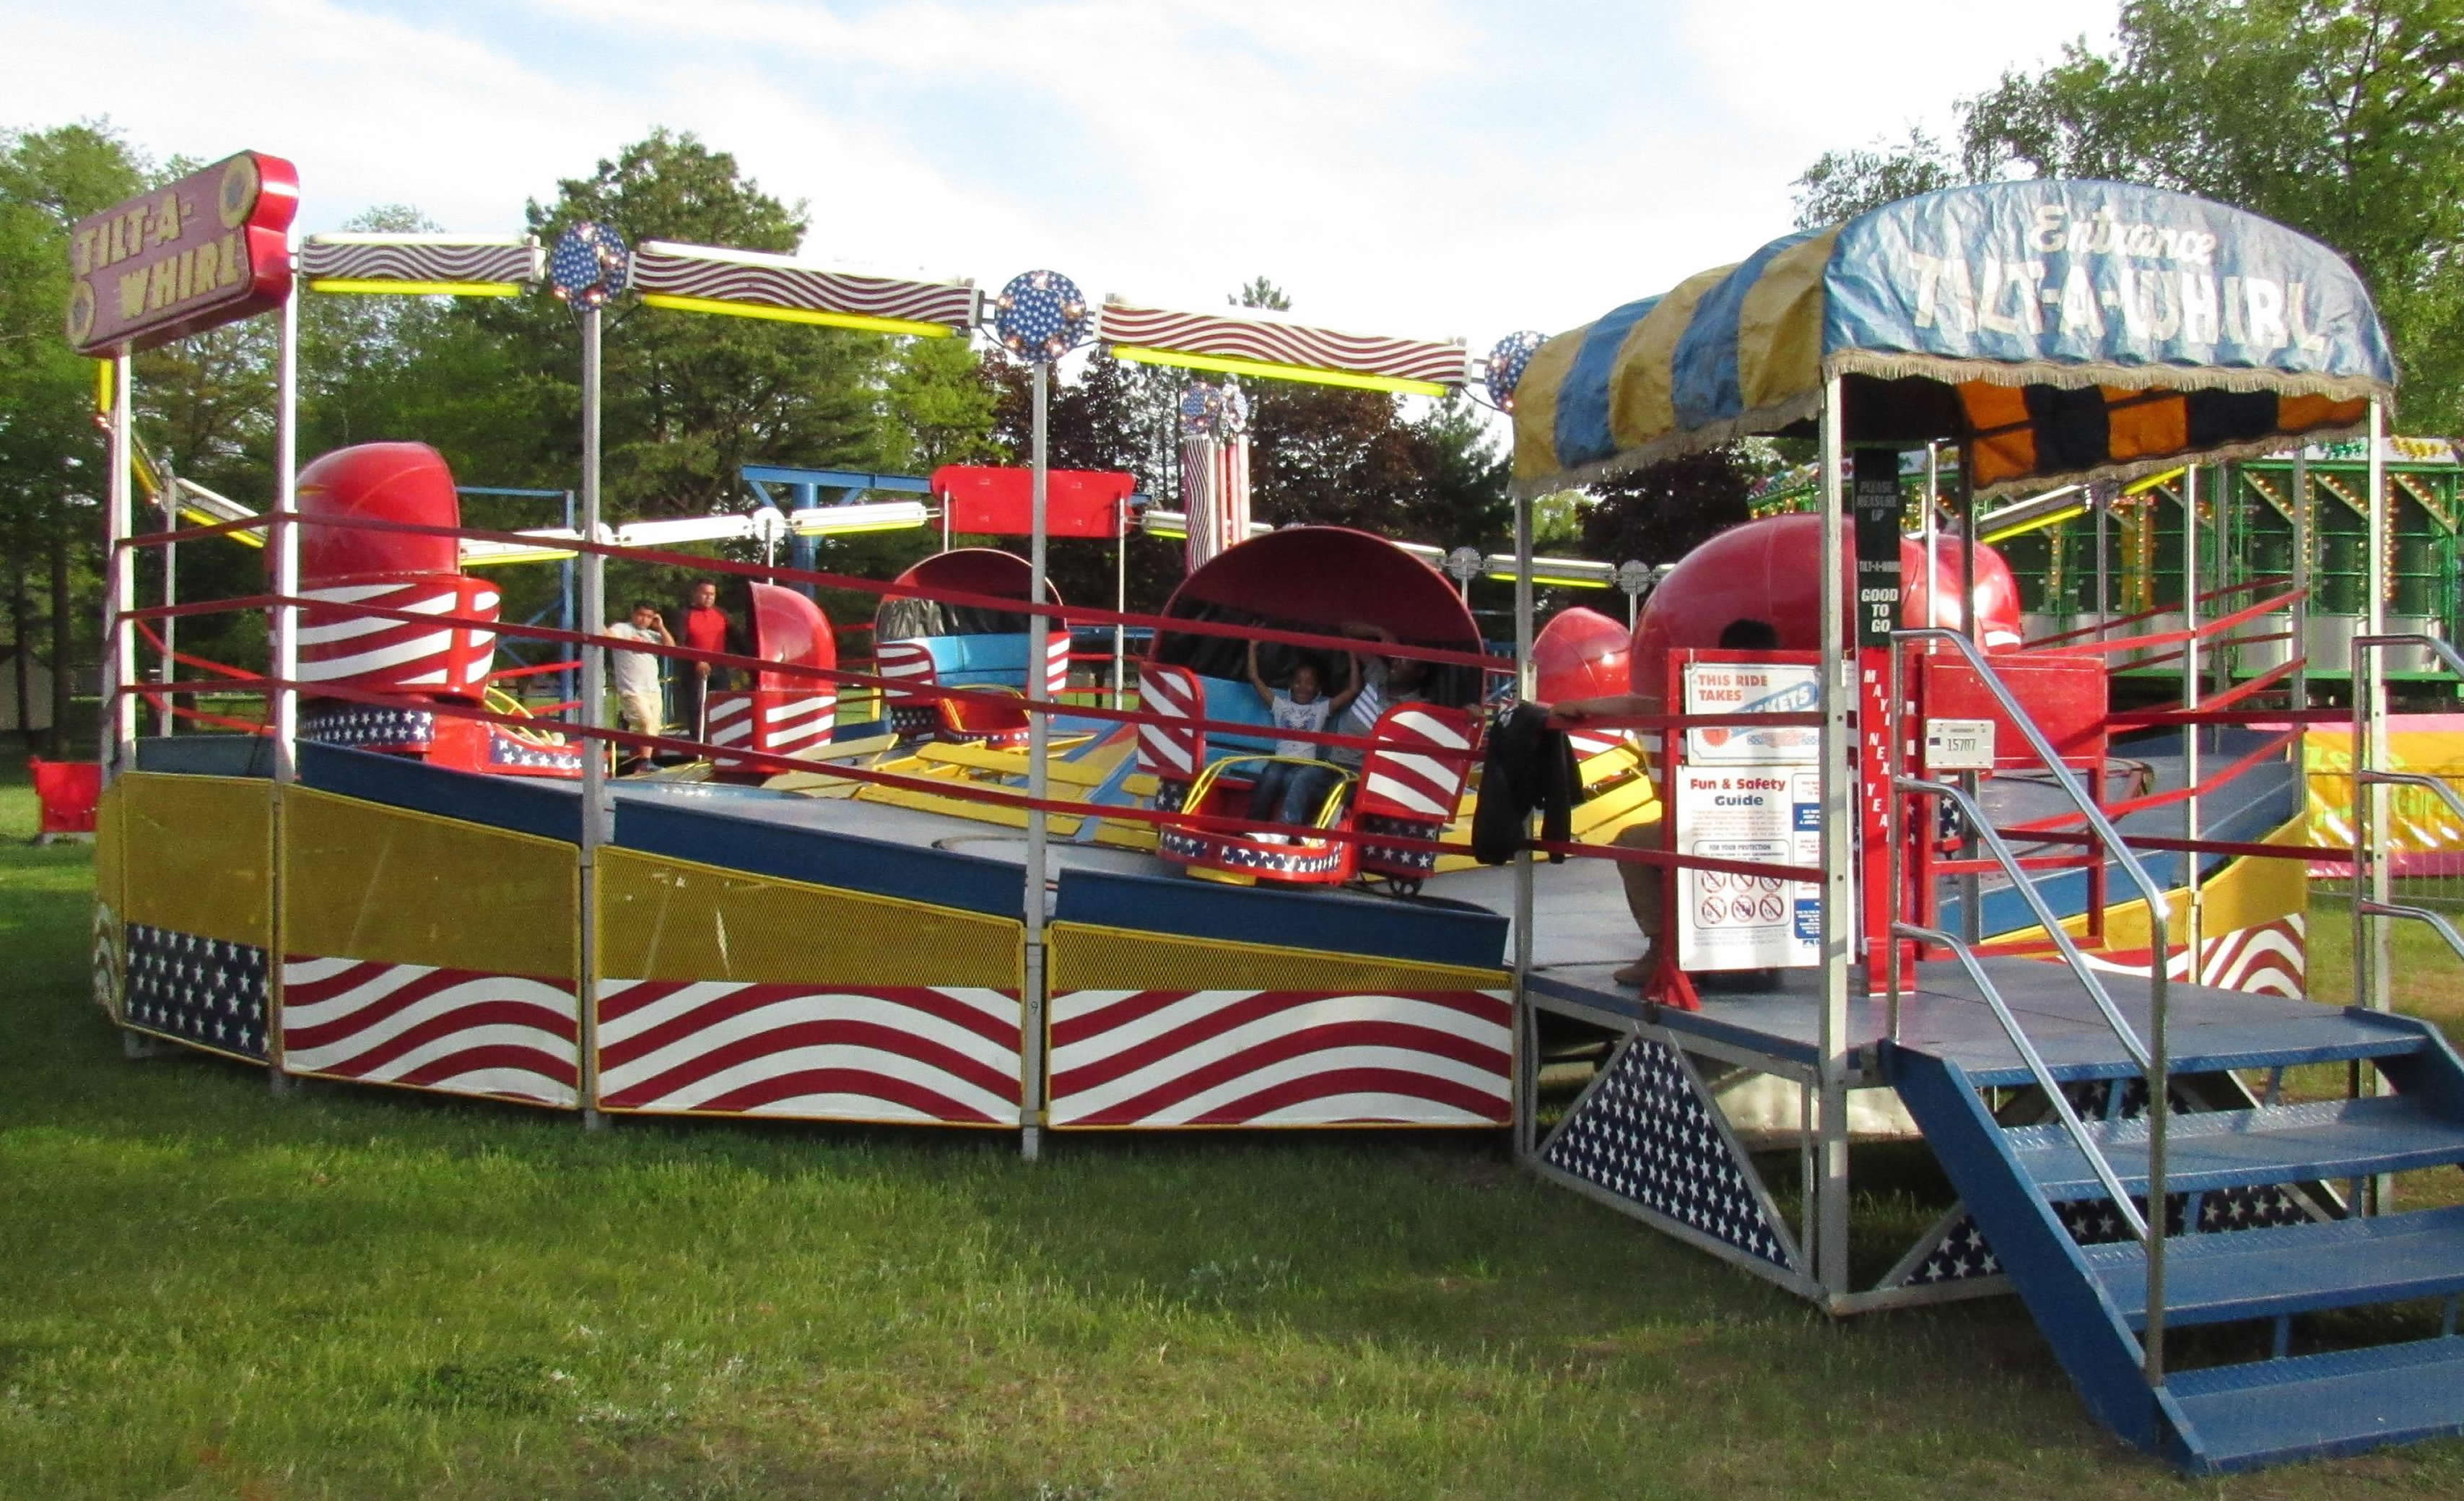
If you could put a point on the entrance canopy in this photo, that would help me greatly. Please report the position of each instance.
(2063, 330)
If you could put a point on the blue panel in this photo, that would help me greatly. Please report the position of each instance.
(845, 861)
(208, 755)
(1338, 922)
(549, 808)
(1702, 369)
(1583, 435)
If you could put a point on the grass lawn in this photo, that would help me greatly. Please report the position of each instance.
(208, 1291)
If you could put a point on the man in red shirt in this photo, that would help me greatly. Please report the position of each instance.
(705, 631)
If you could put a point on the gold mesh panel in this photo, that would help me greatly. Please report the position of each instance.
(106, 848)
(663, 918)
(196, 854)
(365, 881)
(1085, 958)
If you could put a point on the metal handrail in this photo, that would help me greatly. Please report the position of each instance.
(2159, 913)
(2097, 1161)
(2153, 1059)
(2446, 929)
(2367, 978)
(2413, 779)
(2008, 859)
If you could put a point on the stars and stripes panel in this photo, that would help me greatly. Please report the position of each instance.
(754, 277)
(1646, 1133)
(461, 1031)
(206, 991)
(921, 1054)
(440, 259)
(907, 662)
(2264, 958)
(1420, 769)
(1284, 344)
(1160, 1059)
(375, 655)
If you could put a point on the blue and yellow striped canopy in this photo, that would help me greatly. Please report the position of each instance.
(2060, 330)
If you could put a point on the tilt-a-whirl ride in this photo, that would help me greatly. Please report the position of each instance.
(1905, 871)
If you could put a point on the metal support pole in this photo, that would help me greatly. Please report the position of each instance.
(1039, 746)
(1525, 1060)
(597, 810)
(1839, 923)
(120, 587)
(2103, 505)
(1972, 886)
(564, 612)
(284, 652)
(2369, 673)
(1932, 527)
(2192, 670)
(165, 719)
(1120, 601)
(2301, 684)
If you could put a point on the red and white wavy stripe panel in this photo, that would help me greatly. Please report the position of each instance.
(1283, 343)
(904, 661)
(900, 1055)
(2267, 957)
(378, 655)
(1056, 663)
(777, 721)
(1405, 783)
(458, 1030)
(419, 259)
(1280, 1058)
(723, 276)
(1169, 750)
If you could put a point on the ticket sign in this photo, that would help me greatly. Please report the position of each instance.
(1880, 515)
(1733, 921)
(190, 256)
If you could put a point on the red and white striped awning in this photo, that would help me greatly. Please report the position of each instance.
(1268, 341)
(759, 284)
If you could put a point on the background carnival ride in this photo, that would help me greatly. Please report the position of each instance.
(665, 947)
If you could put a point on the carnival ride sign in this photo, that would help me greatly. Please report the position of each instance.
(190, 256)
(1753, 795)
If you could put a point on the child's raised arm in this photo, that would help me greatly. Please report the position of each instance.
(1350, 685)
(1266, 693)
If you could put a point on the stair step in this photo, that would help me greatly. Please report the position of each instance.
(2340, 1403)
(2229, 1274)
(2330, 1036)
(2239, 1148)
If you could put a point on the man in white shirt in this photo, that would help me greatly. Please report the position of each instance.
(1290, 787)
(636, 676)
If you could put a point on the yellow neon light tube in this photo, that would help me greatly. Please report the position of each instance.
(797, 314)
(2141, 486)
(205, 518)
(2036, 525)
(417, 288)
(1228, 364)
(102, 393)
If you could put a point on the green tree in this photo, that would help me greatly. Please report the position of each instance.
(50, 457)
(2343, 119)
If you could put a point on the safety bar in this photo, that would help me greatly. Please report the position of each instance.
(2150, 1240)
(2370, 877)
(2446, 929)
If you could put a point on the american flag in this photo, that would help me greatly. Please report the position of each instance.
(461, 1031)
(896, 1054)
(1280, 1058)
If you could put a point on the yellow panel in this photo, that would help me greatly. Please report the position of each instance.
(365, 881)
(1640, 407)
(196, 854)
(106, 847)
(1088, 957)
(662, 919)
(2244, 894)
(1779, 330)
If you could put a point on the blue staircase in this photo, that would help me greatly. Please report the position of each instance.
(2091, 1300)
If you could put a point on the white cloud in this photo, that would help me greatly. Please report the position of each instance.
(1419, 167)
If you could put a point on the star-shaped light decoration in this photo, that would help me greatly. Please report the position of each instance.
(1201, 409)
(589, 265)
(1040, 315)
(1507, 363)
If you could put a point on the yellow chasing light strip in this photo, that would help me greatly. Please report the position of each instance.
(2036, 525)
(1560, 582)
(1231, 366)
(2143, 486)
(103, 369)
(205, 518)
(487, 559)
(1180, 529)
(797, 314)
(418, 289)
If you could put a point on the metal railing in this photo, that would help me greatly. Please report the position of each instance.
(2149, 1053)
(2370, 878)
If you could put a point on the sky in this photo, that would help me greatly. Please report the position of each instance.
(1431, 168)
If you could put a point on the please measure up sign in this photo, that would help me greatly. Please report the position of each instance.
(1749, 794)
